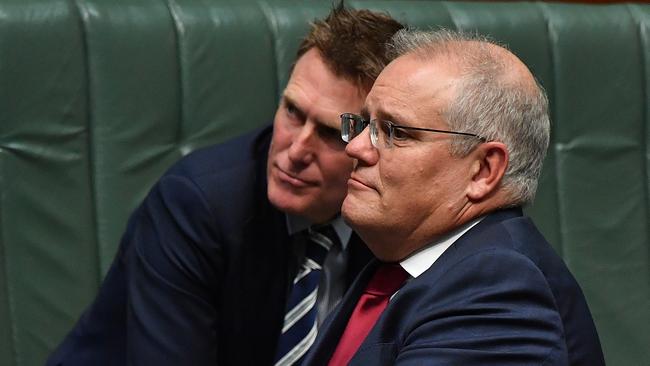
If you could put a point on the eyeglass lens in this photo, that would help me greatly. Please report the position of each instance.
(384, 133)
(351, 126)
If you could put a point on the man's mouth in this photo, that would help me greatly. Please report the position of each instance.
(358, 183)
(292, 179)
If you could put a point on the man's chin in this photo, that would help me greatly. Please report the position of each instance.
(289, 202)
(285, 201)
(354, 211)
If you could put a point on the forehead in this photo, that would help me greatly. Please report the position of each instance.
(318, 93)
(412, 89)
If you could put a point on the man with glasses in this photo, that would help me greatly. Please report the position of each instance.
(238, 251)
(448, 147)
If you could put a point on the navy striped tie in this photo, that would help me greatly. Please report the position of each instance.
(300, 327)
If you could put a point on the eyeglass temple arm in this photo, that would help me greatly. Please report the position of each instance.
(440, 131)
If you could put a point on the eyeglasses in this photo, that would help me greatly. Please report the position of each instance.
(385, 131)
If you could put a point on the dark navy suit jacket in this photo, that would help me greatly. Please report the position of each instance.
(202, 272)
(498, 296)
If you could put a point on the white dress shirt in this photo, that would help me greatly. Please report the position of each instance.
(420, 261)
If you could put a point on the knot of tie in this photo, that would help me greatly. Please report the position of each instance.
(321, 239)
(387, 279)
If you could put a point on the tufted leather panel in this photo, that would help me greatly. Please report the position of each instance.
(98, 98)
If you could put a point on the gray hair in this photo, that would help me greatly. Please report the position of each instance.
(489, 102)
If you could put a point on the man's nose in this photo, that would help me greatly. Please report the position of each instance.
(302, 147)
(361, 148)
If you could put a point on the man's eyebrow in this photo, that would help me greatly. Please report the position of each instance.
(381, 114)
(388, 116)
(317, 120)
(287, 99)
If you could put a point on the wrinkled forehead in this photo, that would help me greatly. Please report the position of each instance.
(317, 93)
(411, 89)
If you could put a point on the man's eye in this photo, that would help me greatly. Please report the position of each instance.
(291, 109)
(293, 114)
(400, 134)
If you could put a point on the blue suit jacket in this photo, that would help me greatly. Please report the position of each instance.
(202, 272)
(499, 295)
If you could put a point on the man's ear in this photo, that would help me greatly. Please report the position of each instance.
(490, 161)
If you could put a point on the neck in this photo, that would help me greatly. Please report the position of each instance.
(396, 244)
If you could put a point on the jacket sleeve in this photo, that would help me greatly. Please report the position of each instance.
(173, 267)
(492, 308)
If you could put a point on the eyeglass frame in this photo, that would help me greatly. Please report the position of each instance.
(374, 137)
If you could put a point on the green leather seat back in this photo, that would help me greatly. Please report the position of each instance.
(98, 98)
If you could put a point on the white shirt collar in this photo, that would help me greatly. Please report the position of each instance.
(297, 223)
(420, 261)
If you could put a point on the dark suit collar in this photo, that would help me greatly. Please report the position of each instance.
(501, 215)
(490, 220)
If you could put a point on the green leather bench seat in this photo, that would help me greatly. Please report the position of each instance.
(98, 98)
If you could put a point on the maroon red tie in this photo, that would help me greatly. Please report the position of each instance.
(385, 282)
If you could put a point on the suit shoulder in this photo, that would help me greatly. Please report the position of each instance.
(526, 239)
(494, 300)
(498, 263)
(245, 150)
(228, 178)
(506, 232)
